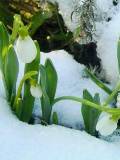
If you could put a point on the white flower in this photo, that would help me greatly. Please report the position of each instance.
(36, 91)
(26, 49)
(106, 125)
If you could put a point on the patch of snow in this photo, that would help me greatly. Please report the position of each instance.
(107, 33)
(107, 49)
(19, 140)
(70, 82)
(66, 7)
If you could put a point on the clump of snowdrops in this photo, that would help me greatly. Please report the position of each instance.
(92, 108)
(40, 81)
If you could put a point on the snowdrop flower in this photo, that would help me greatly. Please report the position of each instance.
(36, 91)
(106, 125)
(26, 49)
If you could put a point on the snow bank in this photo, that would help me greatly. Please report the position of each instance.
(107, 33)
(107, 49)
(70, 82)
(66, 7)
(19, 140)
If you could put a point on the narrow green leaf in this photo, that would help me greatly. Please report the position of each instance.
(45, 101)
(55, 118)
(90, 115)
(98, 82)
(38, 19)
(43, 78)
(19, 108)
(11, 71)
(46, 108)
(51, 79)
(4, 43)
(28, 99)
(86, 110)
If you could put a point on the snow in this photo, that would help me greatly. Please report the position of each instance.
(107, 33)
(19, 140)
(70, 82)
(107, 48)
(22, 141)
(66, 8)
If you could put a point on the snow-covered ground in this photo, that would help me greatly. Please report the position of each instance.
(70, 83)
(107, 33)
(19, 140)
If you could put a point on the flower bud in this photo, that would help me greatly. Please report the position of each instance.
(36, 91)
(26, 49)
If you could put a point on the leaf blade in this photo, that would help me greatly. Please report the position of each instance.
(51, 79)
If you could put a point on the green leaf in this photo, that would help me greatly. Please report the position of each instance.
(46, 108)
(19, 108)
(11, 71)
(98, 82)
(90, 115)
(55, 118)
(45, 101)
(38, 19)
(52, 78)
(4, 43)
(28, 99)
(118, 55)
(43, 78)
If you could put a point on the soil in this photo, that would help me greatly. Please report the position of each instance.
(51, 37)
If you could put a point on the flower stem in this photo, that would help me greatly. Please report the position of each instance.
(26, 76)
(89, 104)
(16, 25)
(112, 95)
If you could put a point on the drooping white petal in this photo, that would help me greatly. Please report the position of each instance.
(106, 125)
(26, 49)
(36, 91)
